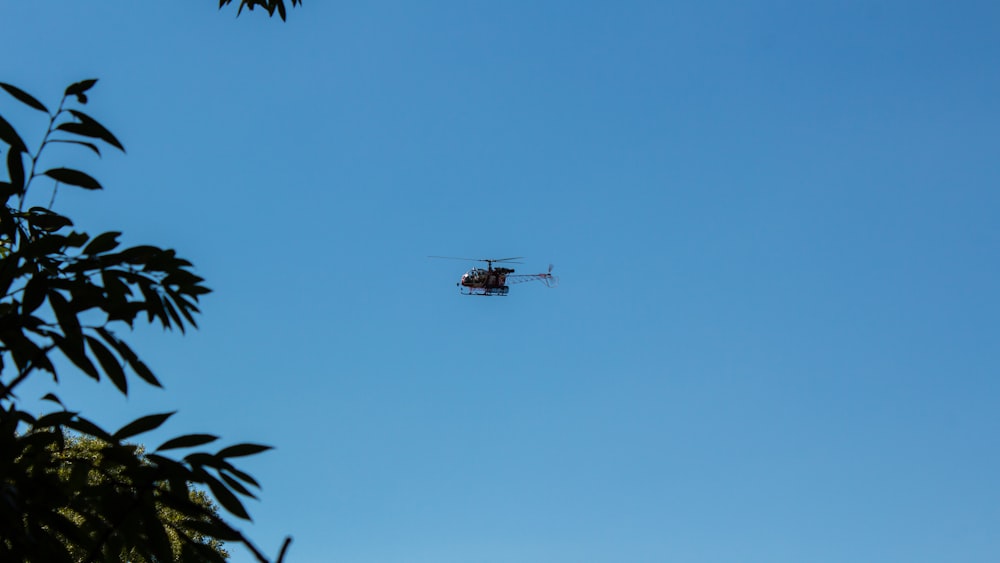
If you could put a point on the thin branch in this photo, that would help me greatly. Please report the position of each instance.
(38, 153)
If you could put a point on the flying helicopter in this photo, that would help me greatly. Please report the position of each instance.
(494, 281)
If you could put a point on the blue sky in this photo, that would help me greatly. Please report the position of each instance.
(774, 222)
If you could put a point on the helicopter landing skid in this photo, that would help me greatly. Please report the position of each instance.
(500, 291)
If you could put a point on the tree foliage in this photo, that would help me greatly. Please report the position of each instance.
(65, 297)
(271, 6)
(84, 452)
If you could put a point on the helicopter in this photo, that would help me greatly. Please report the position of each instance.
(493, 281)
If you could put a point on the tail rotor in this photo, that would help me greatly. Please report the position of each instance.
(549, 279)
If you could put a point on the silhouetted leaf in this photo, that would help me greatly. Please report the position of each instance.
(60, 418)
(73, 349)
(133, 361)
(109, 363)
(102, 243)
(214, 529)
(243, 476)
(23, 97)
(90, 146)
(15, 169)
(46, 220)
(240, 450)
(187, 441)
(10, 136)
(173, 314)
(140, 425)
(73, 178)
(67, 318)
(225, 497)
(78, 88)
(236, 486)
(34, 294)
(89, 127)
(87, 427)
(53, 398)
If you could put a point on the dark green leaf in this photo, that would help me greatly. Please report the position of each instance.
(23, 97)
(102, 243)
(240, 450)
(73, 178)
(78, 88)
(95, 129)
(140, 425)
(109, 363)
(10, 136)
(187, 441)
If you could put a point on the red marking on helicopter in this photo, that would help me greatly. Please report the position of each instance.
(494, 281)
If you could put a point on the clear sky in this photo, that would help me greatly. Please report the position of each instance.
(775, 222)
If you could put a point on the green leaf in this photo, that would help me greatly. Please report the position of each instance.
(73, 178)
(187, 441)
(109, 363)
(10, 136)
(240, 450)
(102, 243)
(23, 97)
(89, 127)
(140, 425)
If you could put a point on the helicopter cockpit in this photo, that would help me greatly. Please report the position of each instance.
(474, 275)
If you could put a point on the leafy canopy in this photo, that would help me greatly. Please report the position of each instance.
(271, 6)
(65, 296)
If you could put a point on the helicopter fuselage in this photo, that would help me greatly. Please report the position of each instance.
(491, 281)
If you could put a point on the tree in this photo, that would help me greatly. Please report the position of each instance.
(270, 5)
(83, 451)
(64, 295)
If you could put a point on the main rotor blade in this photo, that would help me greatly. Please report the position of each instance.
(508, 260)
(454, 258)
